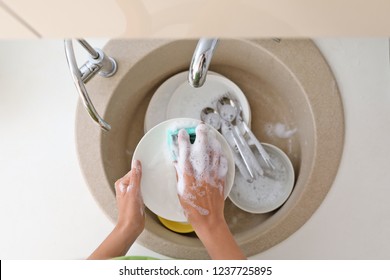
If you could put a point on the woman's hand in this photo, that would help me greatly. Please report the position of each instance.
(131, 214)
(201, 170)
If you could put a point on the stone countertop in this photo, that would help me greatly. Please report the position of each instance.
(47, 212)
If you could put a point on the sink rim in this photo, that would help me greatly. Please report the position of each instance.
(89, 138)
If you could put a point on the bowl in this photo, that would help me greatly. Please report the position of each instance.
(158, 183)
(178, 227)
(267, 193)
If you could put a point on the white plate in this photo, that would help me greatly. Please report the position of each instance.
(188, 102)
(268, 193)
(157, 108)
(158, 183)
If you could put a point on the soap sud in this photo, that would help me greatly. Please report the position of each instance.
(267, 192)
(189, 199)
(130, 187)
(228, 112)
(279, 130)
(122, 187)
(202, 193)
(212, 119)
(223, 167)
(195, 159)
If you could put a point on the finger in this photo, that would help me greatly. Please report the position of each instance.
(175, 165)
(183, 163)
(127, 176)
(222, 172)
(120, 186)
(215, 163)
(201, 155)
(135, 175)
(223, 168)
(202, 131)
(137, 167)
(184, 143)
(214, 144)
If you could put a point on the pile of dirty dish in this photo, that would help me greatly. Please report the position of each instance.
(263, 178)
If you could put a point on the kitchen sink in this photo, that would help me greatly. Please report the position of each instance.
(295, 105)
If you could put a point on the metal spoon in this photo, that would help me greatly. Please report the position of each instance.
(240, 161)
(241, 122)
(229, 113)
(211, 117)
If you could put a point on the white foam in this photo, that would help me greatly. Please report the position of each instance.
(122, 187)
(190, 200)
(264, 192)
(279, 130)
(130, 186)
(213, 120)
(228, 112)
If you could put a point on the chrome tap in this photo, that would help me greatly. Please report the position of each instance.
(98, 62)
(201, 60)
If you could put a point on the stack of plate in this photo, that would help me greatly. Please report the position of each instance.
(176, 100)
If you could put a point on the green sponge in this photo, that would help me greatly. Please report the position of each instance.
(173, 142)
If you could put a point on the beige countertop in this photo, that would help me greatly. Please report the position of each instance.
(47, 212)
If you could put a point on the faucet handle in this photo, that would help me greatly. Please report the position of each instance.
(98, 62)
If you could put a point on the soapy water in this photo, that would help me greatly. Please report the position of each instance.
(265, 193)
(279, 130)
(204, 161)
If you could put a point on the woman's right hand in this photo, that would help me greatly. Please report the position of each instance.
(201, 169)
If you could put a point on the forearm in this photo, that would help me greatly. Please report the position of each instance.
(117, 243)
(220, 243)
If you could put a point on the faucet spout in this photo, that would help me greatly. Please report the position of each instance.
(201, 61)
(98, 62)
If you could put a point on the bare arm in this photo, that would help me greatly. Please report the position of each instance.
(220, 243)
(131, 216)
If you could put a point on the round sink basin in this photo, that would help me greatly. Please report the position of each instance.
(295, 106)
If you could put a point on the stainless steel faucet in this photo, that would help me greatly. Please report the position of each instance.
(98, 62)
(201, 61)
